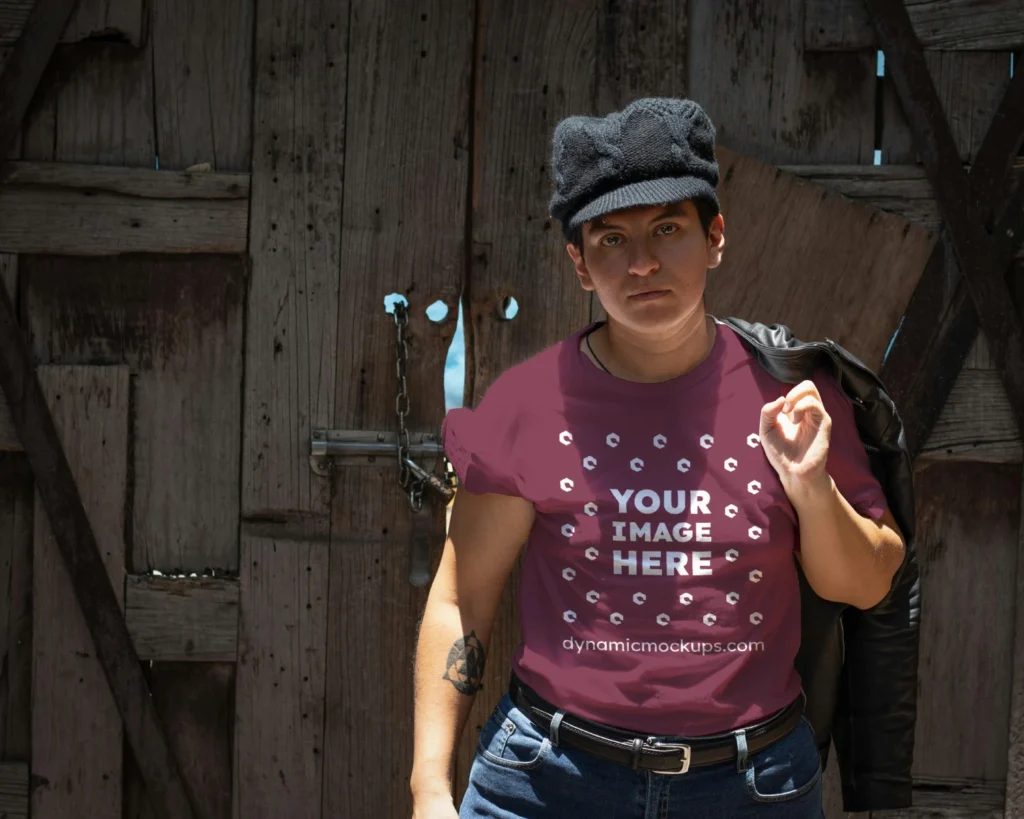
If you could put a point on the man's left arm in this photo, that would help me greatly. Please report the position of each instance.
(812, 443)
(846, 556)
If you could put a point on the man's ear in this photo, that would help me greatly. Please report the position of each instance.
(582, 273)
(716, 241)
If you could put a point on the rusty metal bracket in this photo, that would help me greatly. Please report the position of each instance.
(962, 219)
(329, 448)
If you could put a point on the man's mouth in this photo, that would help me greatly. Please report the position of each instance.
(647, 295)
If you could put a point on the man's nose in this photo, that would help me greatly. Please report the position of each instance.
(642, 262)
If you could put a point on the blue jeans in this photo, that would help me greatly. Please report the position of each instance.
(518, 773)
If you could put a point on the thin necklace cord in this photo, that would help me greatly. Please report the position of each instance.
(598, 360)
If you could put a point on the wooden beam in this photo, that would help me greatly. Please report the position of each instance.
(14, 789)
(938, 330)
(871, 266)
(26, 63)
(86, 210)
(1014, 802)
(141, 183)
(183, 618)
(899, 189)
(972, 246)
(951, 25)
(120, 19)
(90, 409)
(9, 441)
(80, 552)
(975, 424)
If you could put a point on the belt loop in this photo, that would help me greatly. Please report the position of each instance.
(637, 745)
(556, 721)
(741, 750)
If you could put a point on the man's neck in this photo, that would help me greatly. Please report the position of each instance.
(634, 357)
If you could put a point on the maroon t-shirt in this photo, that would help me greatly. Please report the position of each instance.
(659, 590)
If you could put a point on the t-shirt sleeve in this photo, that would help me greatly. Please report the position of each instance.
(847, 459)
(481, 442)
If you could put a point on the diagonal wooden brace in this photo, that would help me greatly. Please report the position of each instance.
(937, 333)
(963, 221)
(53, 479)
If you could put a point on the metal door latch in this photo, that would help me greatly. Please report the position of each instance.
(353, 447)
(329, 448)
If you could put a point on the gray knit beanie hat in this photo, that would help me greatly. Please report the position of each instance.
(655, 151)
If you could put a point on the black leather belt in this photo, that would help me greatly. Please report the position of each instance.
(649, 752)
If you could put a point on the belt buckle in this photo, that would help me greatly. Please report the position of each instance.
(673, 746)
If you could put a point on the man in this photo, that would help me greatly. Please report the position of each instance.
(667, 487)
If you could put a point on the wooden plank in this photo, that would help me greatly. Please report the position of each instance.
(118, 19)
(976, 423)
(292, 320)
(866, 260)
(527, 78)
(954, 798)
(178, 324)
(9, 274)
(183, 618)
(9, 441)
(976, 252)
(97, 108)
(122, 20)
(39, 128)
(77, 223)
(949, 792)
(970, 86)
(196, 702)
(968, 524)
(940, 323)
(299, 116)
(642, 51)
(406, 220)
(370, 538)
(979, 357)
(899, 189)
(769, 98)
(279, 712)
(105, 106)
(203, 98)
(25, 64)
(953, 25)
(202, 71)
(16, 501)
(13, 789)
(137, 183)
(77, 752)
(936, 799)
(81, 553)
(832, 790)
(1014, 802)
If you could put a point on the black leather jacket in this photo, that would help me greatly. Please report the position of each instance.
(859, 668)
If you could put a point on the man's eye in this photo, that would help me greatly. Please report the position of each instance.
(672, 228)
(610, 241)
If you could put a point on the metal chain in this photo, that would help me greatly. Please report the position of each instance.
(414, 486)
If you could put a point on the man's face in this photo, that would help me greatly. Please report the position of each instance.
(648, 265)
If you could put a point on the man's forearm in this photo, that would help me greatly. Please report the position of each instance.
(845, 556)
(449, 672)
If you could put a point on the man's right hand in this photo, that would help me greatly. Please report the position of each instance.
(486, 535)
(434, 806)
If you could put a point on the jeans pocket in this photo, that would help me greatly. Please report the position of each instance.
(787, 769)
(510, 740)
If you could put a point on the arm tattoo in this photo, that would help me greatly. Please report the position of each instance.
(466, 662)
